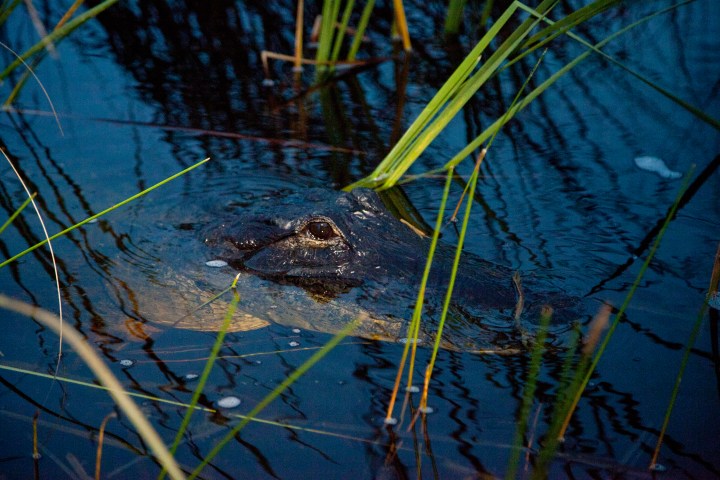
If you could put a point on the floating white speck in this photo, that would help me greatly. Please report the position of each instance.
(94, 220)
(426, 410)
(228, 402)
(714, 301)
(191, 376)
(268, 82)
(412, 389)
(216, 263)
(656, 467)
(656, 165)
(294, 344)
(390, 421)
(127, 363)
(410, 340)
(296, 330)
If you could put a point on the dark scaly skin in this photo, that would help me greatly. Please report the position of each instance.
(338, 255)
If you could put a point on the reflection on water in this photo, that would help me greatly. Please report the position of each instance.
(149, 89)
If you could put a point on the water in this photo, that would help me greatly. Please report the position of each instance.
(145, 92)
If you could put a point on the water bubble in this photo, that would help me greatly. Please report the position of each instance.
(294, 344)
(94, 220)
(216, 263)
(228, 402)
(127, 363)
(410, 340)
(426, 410)
(191, 376)
(296, 330)
(412, 389)
(268, 82)
(390, 421)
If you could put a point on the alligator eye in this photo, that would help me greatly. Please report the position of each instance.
(321, 230)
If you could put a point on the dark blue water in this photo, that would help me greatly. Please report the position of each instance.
(147, 90)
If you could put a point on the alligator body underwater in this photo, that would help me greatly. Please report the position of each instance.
(319, 258)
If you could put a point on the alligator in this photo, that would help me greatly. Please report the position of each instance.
(319, 258)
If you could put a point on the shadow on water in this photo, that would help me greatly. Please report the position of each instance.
(152, 87)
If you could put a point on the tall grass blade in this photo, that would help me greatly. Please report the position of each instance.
(401, 23)
(22, 81)
(414, 327)
(292, 378)
(530, 97)
(107, 210)
(626, 302)
(340, 35)
(528, 393)
(686, 357)
(454, 16)
(451, 97)
(105, 376)
(56, 35)
(206, 371)
(31, 197)
(360, 32)
(17, 212)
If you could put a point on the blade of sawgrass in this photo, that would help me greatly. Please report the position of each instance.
(626, 302)
(206, 371)
(57, 35)
(29, 71)
(451, 282)
(17, 212)
(289, 380)
(528, 393)
(448, 101)
(7, 8)
(327, 33)
(564, 389)
(401, 23)
(454, 16)
(31, 197)
(107, 210)
(469, 190)
(105, 376)
(340, 35)
(686, 357)
(511, 112)
(414, 327)
(362, 26)
(569, 383)
(689, 107)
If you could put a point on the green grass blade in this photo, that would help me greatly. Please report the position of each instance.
(601, 349)
(360, 32)
(449, 100)
(206, 372)
(292, 378)
(7, 8)
(56, 35)
(414, 327)
(492, 129)
(107, 210)
(104, 375)
(528, 394)
(342, 29)
(17, 212)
